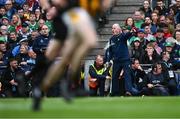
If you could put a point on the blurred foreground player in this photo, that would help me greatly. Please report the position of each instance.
(75, 36)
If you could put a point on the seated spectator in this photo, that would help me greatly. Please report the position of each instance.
(137, 50)
(41, 42)
(2, 11)
(98, 74)
(33, 25)
(146, 8)
(16, 50)
(15, 24)
(33, 36)
(5, 21)
(10, 9)
(171, 23)
(150, 55)
(165, 29)
(157, 81)
(20, 12)
(129, 23)
(138, 19)
(13, 40)
(6, 54)
(147, 31)
(138, 75)
(162, 19)
(178, 26)
(26, 12)
(38, 14)
(176, 7)
(4, 32)
(160, 38)
(9, 81)
(33, 5)
(167, 67)
(23, 57)
(155, 45)
(154, 24)
(162, 8)
(169, 47)
(24, 32)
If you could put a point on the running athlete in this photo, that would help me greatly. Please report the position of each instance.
(75, 36)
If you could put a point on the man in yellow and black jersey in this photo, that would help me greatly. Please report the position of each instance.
(75, 35)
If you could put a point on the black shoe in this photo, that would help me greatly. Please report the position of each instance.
(36, 99)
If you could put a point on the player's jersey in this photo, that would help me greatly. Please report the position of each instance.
(93, 7)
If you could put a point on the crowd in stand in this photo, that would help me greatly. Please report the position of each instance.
(154, 49)
(25, 32)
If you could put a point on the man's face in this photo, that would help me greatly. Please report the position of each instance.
(99, 61)
(14, 64)
(136, 64)
(140, 35)
(45, 30)
(154, 16)
(137, 15)
(178, 2)
(8, 5)
(13, 36)
(177, 35)
(149, 50)
(159, 34)
(160, 4)
(32, 17)
(116, 30)
(3, 47)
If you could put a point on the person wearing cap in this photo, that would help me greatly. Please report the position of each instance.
(16, 49)
(141, 35)
(155, 45)
(137, 50)
(5, 21)
(169, 47)
(24, 32)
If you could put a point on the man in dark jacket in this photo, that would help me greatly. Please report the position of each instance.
(118, 52)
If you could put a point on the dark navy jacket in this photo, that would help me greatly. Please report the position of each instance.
(118, 50)
(40, 44)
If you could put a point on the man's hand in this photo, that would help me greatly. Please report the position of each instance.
(150, 85)
(12, 82)
(108, 77)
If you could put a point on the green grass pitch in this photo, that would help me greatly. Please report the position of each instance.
(107, 107)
